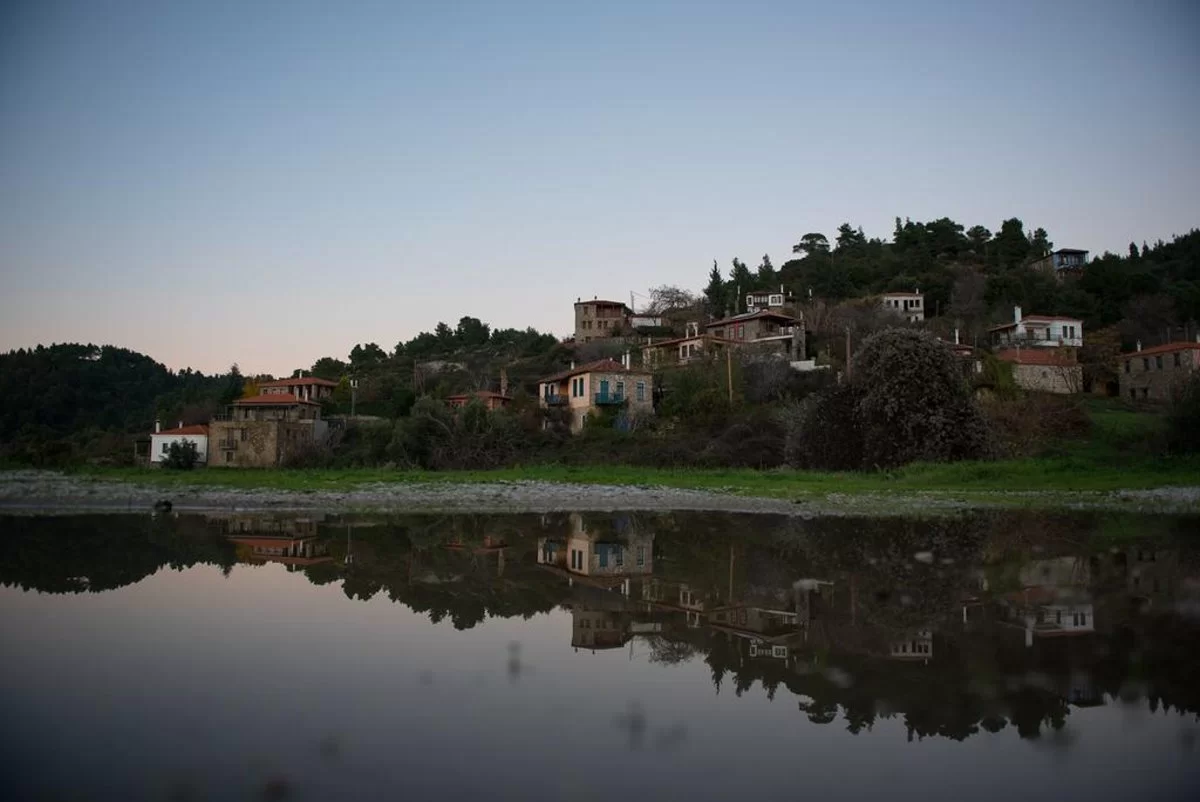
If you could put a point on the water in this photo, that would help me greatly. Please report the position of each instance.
(686, 656)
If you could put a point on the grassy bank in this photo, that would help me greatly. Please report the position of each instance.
(1059, 474)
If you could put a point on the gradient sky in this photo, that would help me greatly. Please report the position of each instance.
(267, 183)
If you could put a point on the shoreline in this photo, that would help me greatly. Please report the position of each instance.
(46, 492)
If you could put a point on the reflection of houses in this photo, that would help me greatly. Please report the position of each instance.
(291, 551)
(1048, 612)
(599, 629)
(600, 555)
(917, 647)
(246, 523)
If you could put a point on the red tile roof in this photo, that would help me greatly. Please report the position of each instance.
(479, 394)
(599, 366)
(195, 429)
(274, 400)
(765, 313)
(1036, 356)
(303, 381)
(1164, 349)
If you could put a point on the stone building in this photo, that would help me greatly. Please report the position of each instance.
(1062, 263)
(598, 320)
(596, 386)
(1152, 374)
(909, 305)
(264, 431)
(1044, 371)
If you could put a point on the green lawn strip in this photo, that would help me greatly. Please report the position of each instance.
(1070, 473)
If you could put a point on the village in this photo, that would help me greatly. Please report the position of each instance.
(1041, 352)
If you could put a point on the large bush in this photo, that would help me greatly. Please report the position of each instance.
(905, 401)
(1183, 418)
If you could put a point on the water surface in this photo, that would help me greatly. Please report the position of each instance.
(685, 656)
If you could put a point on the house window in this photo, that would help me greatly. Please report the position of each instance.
(641, 555)
(1176, 359)
(1127, 365)
(1158, 362)
(229, 456)
(620, 555)
(620, 389)
(165, 448)
(1132, 394)
(741, 331)
(641, 391)
(244, 435)
(1145, 392)
(1145, 363)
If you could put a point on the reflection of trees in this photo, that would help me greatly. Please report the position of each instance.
(93, 553)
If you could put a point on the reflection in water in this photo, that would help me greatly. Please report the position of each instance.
(951, 627)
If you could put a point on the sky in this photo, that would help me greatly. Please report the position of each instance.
(268, 183)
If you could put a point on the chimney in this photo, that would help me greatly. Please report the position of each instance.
(157, 426)
(572, 364)
(181, 424)
(626, 360)
(1139, 345)
(956, 336)
(503, 381)
(1016, 314)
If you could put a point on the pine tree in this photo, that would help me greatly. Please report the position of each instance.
(715, 292)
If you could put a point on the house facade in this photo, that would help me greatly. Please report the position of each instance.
(1044, 371)
(309, 388)
(597, 386)
(1152, 374)
(161, 440)
(681, 350)
(766, 300)
(751, 326)
(1062, 263)
(599, 320)
(1038, 331)
(264, 431)
(909, 305)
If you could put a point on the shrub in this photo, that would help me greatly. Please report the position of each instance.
(182, 455)
(1030, 423)
(1183, 418)
(822, 431)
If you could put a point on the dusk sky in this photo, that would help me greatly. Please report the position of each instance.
(268, 183)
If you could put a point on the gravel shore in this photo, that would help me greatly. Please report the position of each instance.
(48, 491)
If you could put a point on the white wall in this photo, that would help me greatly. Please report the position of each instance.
(159, 443)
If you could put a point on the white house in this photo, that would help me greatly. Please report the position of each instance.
(160, 441)
(1044, 331)
(909, 305)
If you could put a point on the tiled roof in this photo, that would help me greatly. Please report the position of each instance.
(1036, 356)
(303, 381)
(904, 294)
(1163, 349)
(274, 400)
(742, 318)
(602, 301)
(677, 340)
(1051, 318)
(599, 366)
(196, 429)
(479, 394)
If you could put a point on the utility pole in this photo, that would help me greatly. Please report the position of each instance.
(729, 372)
(847, 352)
(353, 396)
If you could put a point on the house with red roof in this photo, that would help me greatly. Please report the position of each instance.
(490, 399)
(161, 440)
(265, 430)
(1038, 331)
(1044, 370)
(594, 387)
(309, 388)
(600, 320)
(1153, 374)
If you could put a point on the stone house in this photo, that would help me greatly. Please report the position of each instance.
(1044, 371)
(598, 320)
(751, 326)
(1152, 374)
(492, 400)
(909, 305)
(161, 440)
(264, 431)
(1038, 331)
(766, 300)
(682, 350)
(596, 386)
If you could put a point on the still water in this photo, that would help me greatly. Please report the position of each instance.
(599, 656)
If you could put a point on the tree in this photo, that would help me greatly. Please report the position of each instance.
(1011, 246)
(979, 237)
(766, 278)
(234, 385)
(329, 368)
(715, 293)
(849, 240)
(811, 243)
(1133, 250)
(182, 455)
(471, 332)
(367, 356)
(741, 281)
(1039, 243)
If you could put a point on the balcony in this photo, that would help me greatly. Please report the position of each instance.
(555, 400)
(608, 399)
